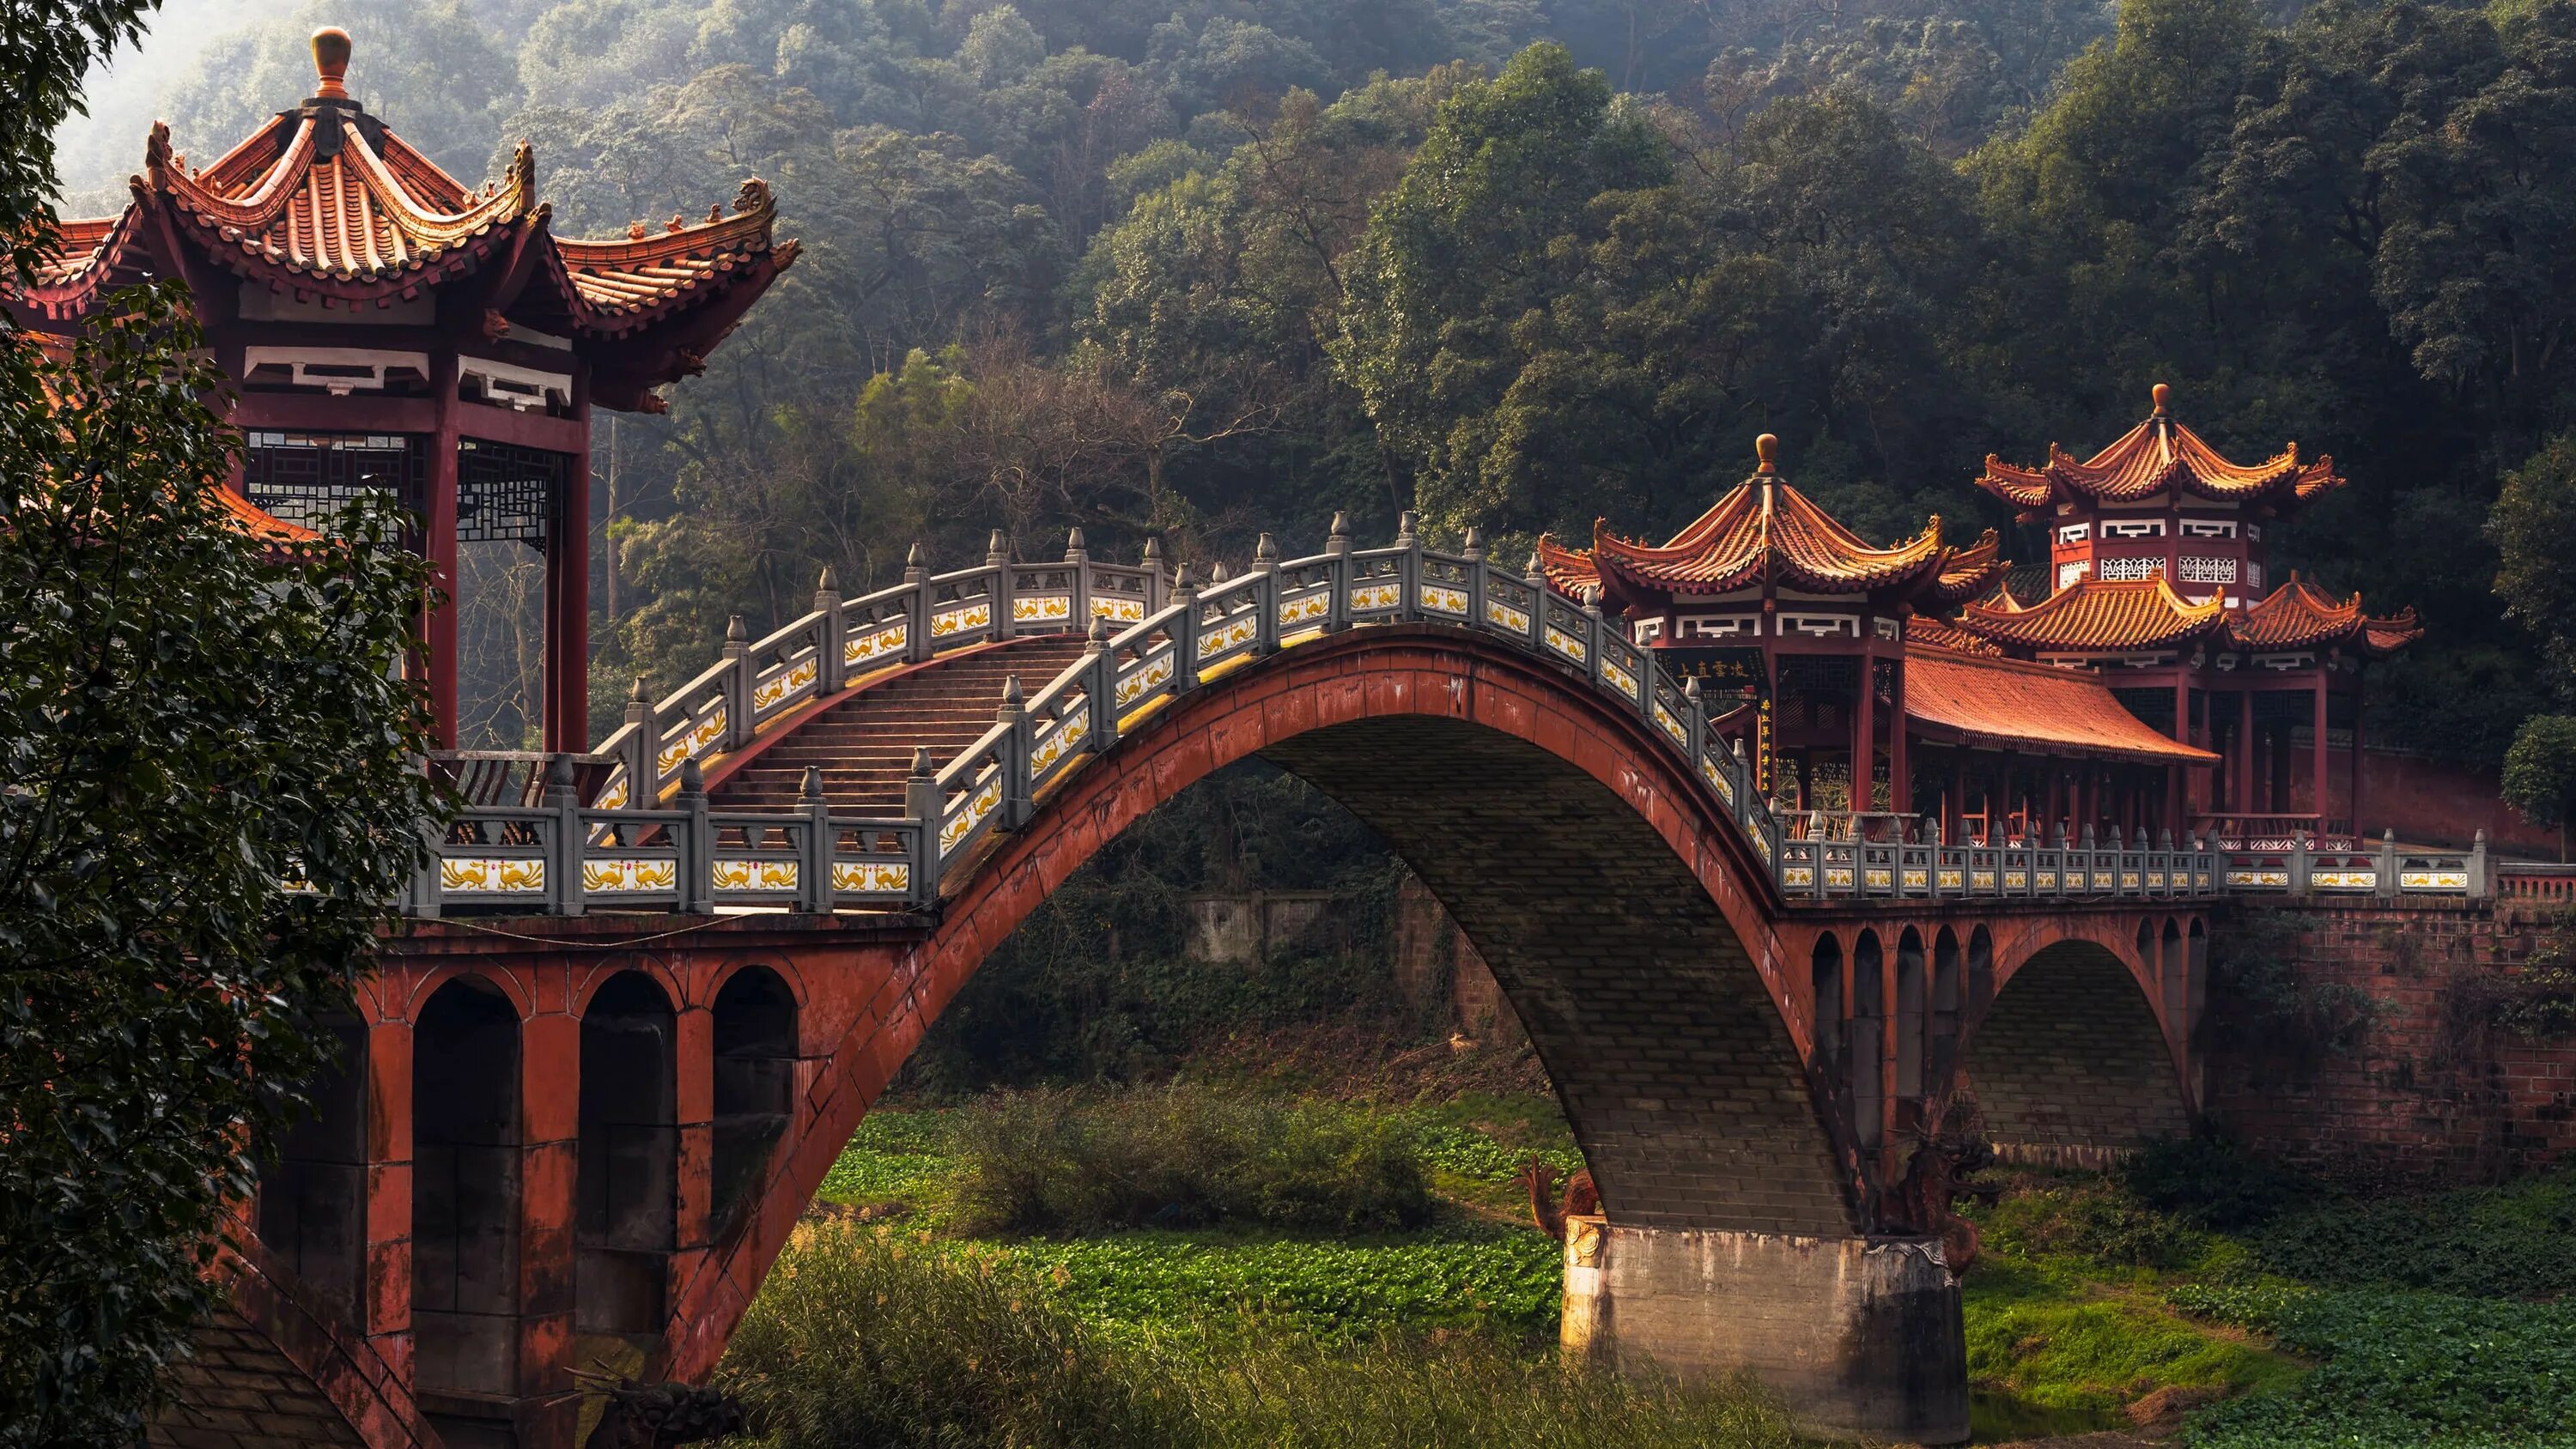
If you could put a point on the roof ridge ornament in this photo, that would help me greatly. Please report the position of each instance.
(331, 47)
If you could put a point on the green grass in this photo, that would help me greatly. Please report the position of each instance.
(2190, 1275)
(870, 1339)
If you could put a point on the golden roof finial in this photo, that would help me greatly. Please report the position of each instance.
(2160, 392)
(1767, 449)
(331, 62)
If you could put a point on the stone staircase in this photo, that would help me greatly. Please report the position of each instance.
(864, 745)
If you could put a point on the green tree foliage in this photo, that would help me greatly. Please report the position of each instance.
(2540, 772)
(1491, 224)
(48, 46)
(193, 726)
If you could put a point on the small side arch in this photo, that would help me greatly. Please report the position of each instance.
(2071, 1065)
(754, 1026)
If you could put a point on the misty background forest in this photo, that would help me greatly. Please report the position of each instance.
(1203, 269)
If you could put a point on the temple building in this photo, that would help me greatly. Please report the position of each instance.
(2156, 687)
(391, 329)
(2158, 550)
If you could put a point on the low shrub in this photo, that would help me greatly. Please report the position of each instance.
(2517, 1241)
(2211, 1182)
(1084, 1161)
(859, 1341)
(2089, 1218)
(2411, 1371)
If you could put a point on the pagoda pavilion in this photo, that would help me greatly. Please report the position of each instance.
(390, 329)
(1837, 650)
(2158, 550)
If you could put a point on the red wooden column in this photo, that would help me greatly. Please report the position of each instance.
(567, 687)
(1900, 764)
(2178, 790)
(2317, 765)
(1864, 748)
(439, 545)
(2244, 791)
(2357, 826)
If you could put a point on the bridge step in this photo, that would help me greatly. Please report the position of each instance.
(864, 745)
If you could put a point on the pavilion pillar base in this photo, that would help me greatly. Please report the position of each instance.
(1857, 1337)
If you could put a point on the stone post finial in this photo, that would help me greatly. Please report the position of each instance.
(1099, 632)
(637, 694)
(811, 790)
(997, 549)
(1183, 579)
(829, 583)
(736, 632)
(1011, 690)
(1153, 551)
(1404, 523)
(922, 769)
(916, 563)
(1073, 548)
(1217, 573)
(693, 777)
(1690, 689)
(1341, 525)
(1265, 552)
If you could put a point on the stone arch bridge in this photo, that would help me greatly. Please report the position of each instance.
(647, 995)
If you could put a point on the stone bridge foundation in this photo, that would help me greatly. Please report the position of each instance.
(1858, 1337)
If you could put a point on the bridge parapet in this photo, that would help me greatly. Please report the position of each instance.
(648, 841)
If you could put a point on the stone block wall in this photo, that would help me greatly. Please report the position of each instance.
(2433, 1092)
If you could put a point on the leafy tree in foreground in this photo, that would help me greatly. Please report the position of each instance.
(187, 721)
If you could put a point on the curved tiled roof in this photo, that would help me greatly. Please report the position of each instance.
(2299, 615)
(259, 523)
(1972, 572)
(2004, 704)
(2154, 456)
(1763, 528)
(326, 201)
(2097, 614)
(1940, 634)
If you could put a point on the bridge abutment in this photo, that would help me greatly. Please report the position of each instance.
(1857, 1337)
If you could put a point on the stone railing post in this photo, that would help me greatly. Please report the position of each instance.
(2385, 878)
(1408, 569)
(1185, 631)
(921, 804)
(563, 839)
(426, 886)
(1694, 722)
(2302, 865)
(2482, 885)
(643, 750)
(1337, 544)
(814, 863)
(831, 653)
(1101, 684)
(1077, 566)
(1155, 584)
(1474, 555)
(1536, 578)
(1592, 632)
(997, 557)
(697, 842)
(916, 633)
(1265, 596)
(737, 648)
(1013, 715)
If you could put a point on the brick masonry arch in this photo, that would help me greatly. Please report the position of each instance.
(2073, 1062)
(1627, 927)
